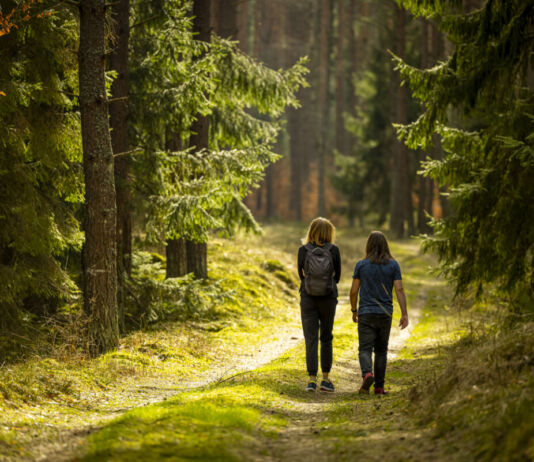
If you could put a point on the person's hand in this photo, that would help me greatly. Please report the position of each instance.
(355, 316)
(403, 322)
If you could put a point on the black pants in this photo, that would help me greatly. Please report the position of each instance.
(317, 313)
(373, 334)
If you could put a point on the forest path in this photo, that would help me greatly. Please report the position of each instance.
(266, 415)
(311, 416)
(68, 444)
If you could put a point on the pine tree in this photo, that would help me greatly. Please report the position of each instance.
(118, 119)
(41, 186)
(99, 252)
(489, 155)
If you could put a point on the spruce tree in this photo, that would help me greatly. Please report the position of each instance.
(41, 185)
(489, 154)
(99, 252)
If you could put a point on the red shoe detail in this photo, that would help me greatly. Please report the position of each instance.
(367, 382)
(381, 391)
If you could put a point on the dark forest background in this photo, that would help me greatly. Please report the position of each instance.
(341, 157)
(133, 133)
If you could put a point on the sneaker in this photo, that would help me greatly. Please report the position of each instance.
(312, 386)
(326, 385)
(366, 384)
(380, 391)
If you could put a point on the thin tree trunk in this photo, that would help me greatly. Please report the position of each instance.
(343, 34)
(228, 19)
(270, 23)
(302, 123)
(176, 255)
(243, 9)
(99, 253)
(424, 183)
(197, 259)
(175, 250)
(197, 253)
(118, 119)
(324, 81)
(401, 206)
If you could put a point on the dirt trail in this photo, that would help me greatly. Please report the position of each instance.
(64, 445)
(309, 416)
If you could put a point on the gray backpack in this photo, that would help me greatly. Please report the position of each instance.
(318, 270)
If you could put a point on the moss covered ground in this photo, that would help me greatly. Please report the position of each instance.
(460, 384)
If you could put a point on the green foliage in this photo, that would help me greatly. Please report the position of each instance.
(176, 79)
(152, 298)
(40, 174)
(237, 285)
(489, 168)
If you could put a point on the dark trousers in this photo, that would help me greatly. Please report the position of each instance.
(317, 314)
(373, 334)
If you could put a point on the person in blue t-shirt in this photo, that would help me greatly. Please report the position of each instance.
(374, 278)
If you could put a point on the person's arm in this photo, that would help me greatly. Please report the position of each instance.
(300, 262)
(336, 257)
(354, 299)
(401, 297)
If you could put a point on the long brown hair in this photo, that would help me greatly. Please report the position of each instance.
(377, 248)
(321, 231)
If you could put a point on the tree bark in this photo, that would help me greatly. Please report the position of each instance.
(99, 253)
(343, 36)
(197, 253)
(269, 23)
(176, 255)
(301, 122)
(197, 259)
(401, 203)
(324, 86)
(175, 250)
(424, 184)
(228, 19)
(118, 118)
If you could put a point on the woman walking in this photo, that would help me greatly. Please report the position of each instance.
(374, 278)
(319, 268)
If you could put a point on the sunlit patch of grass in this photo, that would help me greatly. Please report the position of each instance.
(73, 390)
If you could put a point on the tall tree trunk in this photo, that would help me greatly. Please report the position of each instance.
(243, 12)
(197, 259)
(425, 184)
(324, 85)
(118, 119)
(270, 23)
(176, 255)
(301, 122)
(197, 253)
(343, 35)
(176, 249)
(99, 253)
(401, 204)
(228, 19)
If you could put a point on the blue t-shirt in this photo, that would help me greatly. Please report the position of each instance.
(376, 285)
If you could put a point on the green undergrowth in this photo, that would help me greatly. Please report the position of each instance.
(482, 402)
(243, 282)
(196, 329)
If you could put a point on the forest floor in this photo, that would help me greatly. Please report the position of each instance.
(237, 393)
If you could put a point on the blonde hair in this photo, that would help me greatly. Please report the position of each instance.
(321, 231)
